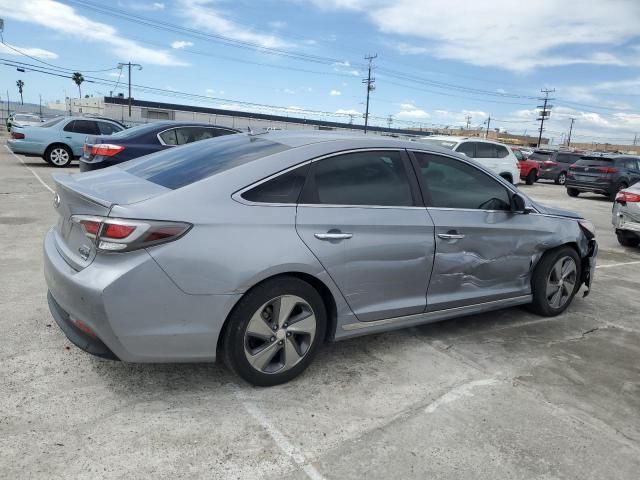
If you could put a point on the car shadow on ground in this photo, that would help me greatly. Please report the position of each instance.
(338, 358)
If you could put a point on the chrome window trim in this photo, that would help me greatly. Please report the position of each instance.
(237, 196)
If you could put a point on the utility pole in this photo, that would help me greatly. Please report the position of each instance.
(370, 83)
(129, 65)
(389, 121)
(544, 113)
(570, 130)
(468, 117)
(486, 134)
(39, 95)
(635, 139)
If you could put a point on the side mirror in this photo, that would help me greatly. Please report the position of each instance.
(518, 205)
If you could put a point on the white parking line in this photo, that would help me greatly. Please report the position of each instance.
(31, 170)
(611, 265)
(293, 452)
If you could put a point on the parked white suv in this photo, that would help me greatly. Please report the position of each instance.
(493, 155)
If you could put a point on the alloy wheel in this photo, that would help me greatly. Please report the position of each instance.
(59, 156)
(561, 282)
(280, 334)
(562, 178)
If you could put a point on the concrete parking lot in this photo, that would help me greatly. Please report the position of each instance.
(500, 395)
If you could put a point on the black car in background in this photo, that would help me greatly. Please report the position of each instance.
(556, 166)
(604, 174)
(101, 152)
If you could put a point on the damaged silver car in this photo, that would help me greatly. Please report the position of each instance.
(626, 216)
(260, 247)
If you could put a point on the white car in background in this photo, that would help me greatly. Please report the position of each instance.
(495, 156)
(24, 120)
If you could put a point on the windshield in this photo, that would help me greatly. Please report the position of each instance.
(51, 122)
(177, 167)
(27, 118)
(440, 142)
(540, 156)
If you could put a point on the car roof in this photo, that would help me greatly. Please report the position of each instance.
(453, 138)
(299, 138)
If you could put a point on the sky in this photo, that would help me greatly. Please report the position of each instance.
(437, 62)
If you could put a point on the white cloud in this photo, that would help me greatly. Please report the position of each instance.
(530, 36)
(143, 6)
(349, 111)
(115, 74)
(64, 19)
(31, 51)
(345, 67)
(289, 91)
(407, 106)
(335, 93)
(277, 24)
(417, 114)
(178, 44)
(201, 14)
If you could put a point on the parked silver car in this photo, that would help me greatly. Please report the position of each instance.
(261, 247)
(626, 216)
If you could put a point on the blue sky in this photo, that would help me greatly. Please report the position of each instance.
(437, 61)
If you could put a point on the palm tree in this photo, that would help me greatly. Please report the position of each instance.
(78, 79)
(20, 85)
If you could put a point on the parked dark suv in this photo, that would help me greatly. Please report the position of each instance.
(606, 174)
(557, 165)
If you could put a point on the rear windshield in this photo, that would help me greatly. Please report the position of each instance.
(594, 162)
(540, 156)
(440, 142)
(180, 166)
(137, 130)
(52, 122)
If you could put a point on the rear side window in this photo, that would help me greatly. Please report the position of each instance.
(284, 188)
(630, 164)
(175, 168)
(565, 158)
(540, 156)
(86, 127)
(486, 150)
(169, 137)
(467, 149)
(449, 183)
(195, 134)
(595, 162)
(375, 178)
(501, 151)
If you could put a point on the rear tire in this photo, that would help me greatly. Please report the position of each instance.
(572, 192)
(532, 176)
(264, 344)
(561, 179)
(627, 240)
(59, 156)
(555, 281)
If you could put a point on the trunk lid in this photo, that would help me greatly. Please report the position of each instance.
(93, 194)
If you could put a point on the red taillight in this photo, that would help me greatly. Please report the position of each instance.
(117, 232)
(607, 169)
(91, 226)
(624, 197)
(106, 149)
(549, 163)
(123, 235)
(17, 135)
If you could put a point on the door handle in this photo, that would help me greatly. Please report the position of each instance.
(450, 236)
(333, 236)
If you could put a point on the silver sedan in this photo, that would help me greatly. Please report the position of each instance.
(257, 248)
(626, 216)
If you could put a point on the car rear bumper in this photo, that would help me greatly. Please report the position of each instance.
(25, 147)
(626, 218)
(134, 308)
(605, 188)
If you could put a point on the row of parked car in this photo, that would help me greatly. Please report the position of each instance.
(102, 142)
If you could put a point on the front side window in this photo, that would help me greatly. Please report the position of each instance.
(107, 128)
(375, 178)
(486, 150)
(450, 183)
(284, 188)
(86, 127)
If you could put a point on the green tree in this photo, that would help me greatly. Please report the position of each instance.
(78, 79)
(20, 85)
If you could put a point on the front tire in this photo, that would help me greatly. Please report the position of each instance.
(59, 156)
(572, 192)
(275, 331)
(556, 279)
(532, 176)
